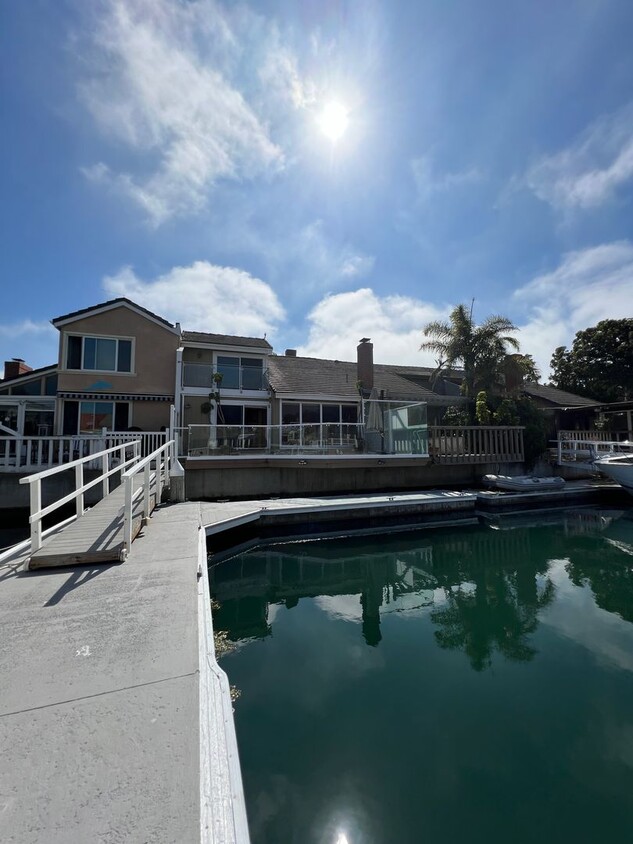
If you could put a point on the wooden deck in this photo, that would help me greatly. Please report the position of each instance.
(96, 536)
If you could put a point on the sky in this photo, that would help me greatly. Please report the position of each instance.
(317, 171)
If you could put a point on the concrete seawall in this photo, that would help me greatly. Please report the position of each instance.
(248, 478)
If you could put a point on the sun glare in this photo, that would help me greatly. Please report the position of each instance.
(333, 120)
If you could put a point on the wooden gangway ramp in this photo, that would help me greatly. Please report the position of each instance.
(96, 536)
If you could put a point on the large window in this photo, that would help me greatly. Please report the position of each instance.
(312, 423)
(99, 354)
(241, 373)
(89, 417)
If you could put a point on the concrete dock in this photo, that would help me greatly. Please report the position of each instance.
(115, 721)
(99, 701)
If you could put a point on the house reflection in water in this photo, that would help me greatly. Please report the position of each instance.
(485, 587)
(246, 586)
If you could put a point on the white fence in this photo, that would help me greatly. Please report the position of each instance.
(29, 454)
(583, 453)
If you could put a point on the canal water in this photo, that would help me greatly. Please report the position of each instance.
(471, 684)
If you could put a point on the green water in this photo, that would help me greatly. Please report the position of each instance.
(471, 684)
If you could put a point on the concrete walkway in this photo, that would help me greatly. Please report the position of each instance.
(99, 695)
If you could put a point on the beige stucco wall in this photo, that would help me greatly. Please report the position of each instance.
(192, 415)
(154, 358)
(150, 415)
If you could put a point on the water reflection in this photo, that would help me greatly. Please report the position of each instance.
(484, 589)
(603, 560)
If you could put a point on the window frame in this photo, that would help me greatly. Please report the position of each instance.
(115, 338)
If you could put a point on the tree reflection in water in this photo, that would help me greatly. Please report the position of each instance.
(604, 562)
(485, 587)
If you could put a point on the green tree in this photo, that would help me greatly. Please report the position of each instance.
(480, 349)
(599, 364)
(517, 369)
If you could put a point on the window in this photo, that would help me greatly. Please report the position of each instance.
(241, 373)
(88, 417)
(99, 354)
(51, 385)
(31, 388)
(310, 423)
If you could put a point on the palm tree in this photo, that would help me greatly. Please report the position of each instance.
(480, 349)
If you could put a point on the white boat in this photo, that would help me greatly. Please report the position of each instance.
(619, 468)
(523, 483)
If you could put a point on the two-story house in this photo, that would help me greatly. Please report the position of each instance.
(117, 369)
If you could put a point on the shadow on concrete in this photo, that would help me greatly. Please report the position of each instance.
(79, 575)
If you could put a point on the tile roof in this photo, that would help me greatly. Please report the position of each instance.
(119, 300)
(338, 378)
(225, 339)
(556, 396)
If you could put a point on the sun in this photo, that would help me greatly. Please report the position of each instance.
(333, 120)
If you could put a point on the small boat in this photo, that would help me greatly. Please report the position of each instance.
(523, 483)
(619, 468)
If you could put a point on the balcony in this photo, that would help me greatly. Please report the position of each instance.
(233, 377)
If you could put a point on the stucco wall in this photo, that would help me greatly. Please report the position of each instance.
(150, 415)
(154, 354)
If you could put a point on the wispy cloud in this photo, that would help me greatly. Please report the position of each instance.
(178, 85)
(429, 181)
(204, 297)
(589, 172)
(34, 341)
(325, 261)
(588, 285)
(394, 324)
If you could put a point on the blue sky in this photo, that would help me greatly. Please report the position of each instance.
(172, 151)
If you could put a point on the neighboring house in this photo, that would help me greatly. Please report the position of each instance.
(564, 411)
(117, 369)
(27, 399)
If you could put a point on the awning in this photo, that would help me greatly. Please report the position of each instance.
(113, 397)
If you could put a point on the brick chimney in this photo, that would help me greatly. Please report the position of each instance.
(291, 353)
(15, 367)
(365, 364)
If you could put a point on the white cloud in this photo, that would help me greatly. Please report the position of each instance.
(321, 262)
(590, 171)
(35, 342)
(394, 324)
(429, 181)
(164, 83)
(204, 297)
(357, 265)
(589, 285)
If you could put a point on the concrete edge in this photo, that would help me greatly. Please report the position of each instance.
(222, 805)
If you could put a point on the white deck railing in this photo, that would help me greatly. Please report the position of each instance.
(156, 479)
(28, 454)
(585, 452)
(587, 436)
(111, 460)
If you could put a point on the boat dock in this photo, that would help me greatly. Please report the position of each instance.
(116, 721)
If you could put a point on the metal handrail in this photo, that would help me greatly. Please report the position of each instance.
(35, 485)
(145, 489)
